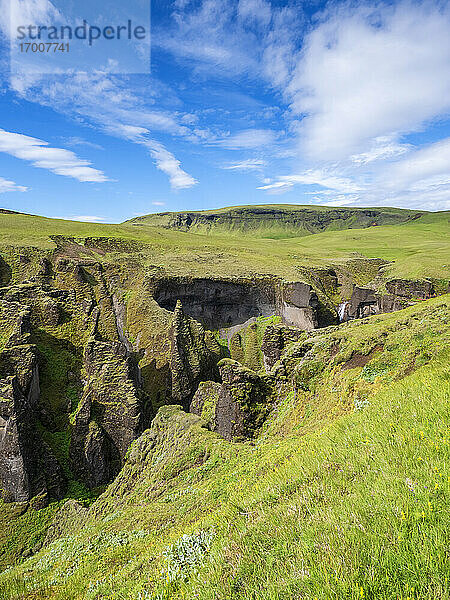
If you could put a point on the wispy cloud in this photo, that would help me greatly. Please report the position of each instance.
(313, 177)
(10, 186)
(251, 164)
(347, 87)
(157, 203)
(16, 12)
(57, 160)
(77, 141)
(428, 164)
(83, 218)
(247, 139)
(384, 147)
(165, 161)
(106, 102)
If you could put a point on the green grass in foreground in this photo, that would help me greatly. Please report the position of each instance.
(339, 504)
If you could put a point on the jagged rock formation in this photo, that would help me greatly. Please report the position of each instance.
(275, 341)
(194, 356)
(155, 452)
(242, 402)
(44, 301)
(237, 407)
(109, 416)
(70, 306)
(93, 321)
(28, 468)
(410, 289)
(366, 301)
(205, 401)
(298, 305)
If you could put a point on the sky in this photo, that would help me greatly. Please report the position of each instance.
(227, 102)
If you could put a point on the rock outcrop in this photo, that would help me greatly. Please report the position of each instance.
(28, 467)
(109, 416)
(410, 289)
(230, 304)
(235, 408)
(363, 303)
(275, 341)
(297, 305)
(45, 302)
(194, 356)
(242, 401)
(205, 401)
(366, 301)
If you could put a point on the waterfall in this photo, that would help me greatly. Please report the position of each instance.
(342, 311)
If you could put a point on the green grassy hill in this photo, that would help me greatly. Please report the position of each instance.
(418, 247)
(277, 221)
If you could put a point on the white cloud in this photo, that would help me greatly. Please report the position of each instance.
(87, 218)
(10, 186)
(367, 74)
(371, 72)
(56, 160)
(384, 147)
(251, 37)
(248, 138)
(158, 203)
(258, 11)
(418, 179)
(165, 161)
(429, 164)
(339, 201)
(313, 177)
(77, 141)
(252, 164)
(14, 13)
(110, 105)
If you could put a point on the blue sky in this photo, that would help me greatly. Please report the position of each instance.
(246, 102)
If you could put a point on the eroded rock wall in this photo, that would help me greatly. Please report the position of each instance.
(28, 467)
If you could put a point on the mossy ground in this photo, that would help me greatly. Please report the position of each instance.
(333, 500)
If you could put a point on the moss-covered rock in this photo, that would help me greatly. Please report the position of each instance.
(194, 356)
(28, 468)
(205, 401)
(109, 417)
(275, 341)
(243, 401)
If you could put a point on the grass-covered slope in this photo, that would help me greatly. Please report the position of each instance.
(418, 247)
(277, 221)
(344, 494)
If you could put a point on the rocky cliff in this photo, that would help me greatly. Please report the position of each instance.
(28, 467)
